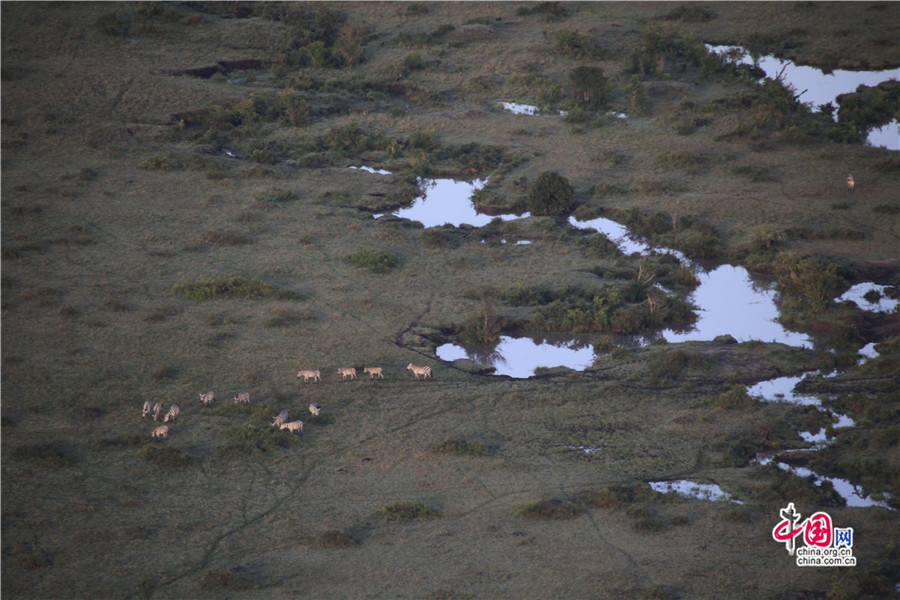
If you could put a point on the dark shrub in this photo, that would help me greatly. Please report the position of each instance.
(551, 194)
(227, 580)
(43, 455)
(461, 448)
(234, 287)
(589, 86)
(165, 456)
(333, 538)
(548, 509)
(377, 261)
(402, 511)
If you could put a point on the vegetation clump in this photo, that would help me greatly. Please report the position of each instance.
(589, 86)
(404, 511)
(551, 194)
(165, 456)
(222, 580)
(332, 538)
(253, 439)
(548, 510)
(233, 287)
(374, 260)
(47, 456)
(461, 448)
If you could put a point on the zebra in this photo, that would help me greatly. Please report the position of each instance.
(207, 398)
(280, 419)
(293, 426)
(157, 410)
(148, 408)
(314, 409)
(307, 373)
(160, 432)
(242, 398)
(345, 372)
(172, 414)
(373, 371)
(425, 372)
(850, 182)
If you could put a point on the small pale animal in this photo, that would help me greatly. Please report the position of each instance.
(148, 408)
(242, 398)
(345, 372)
(160, 432)
(425, 372)
(157, 410)
(280, 419)
(293, 426)
(306, 374)
(172, 414)
(850, 182)
(207, 398)
(314, 409)
(373, 371)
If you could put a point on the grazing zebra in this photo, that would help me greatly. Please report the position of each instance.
(314, 409)
(307, 373)
(373, 371)
(172, 414)
(850, 182)
(280, 419)
(157, 410)
(425, 372)
(345, 372)
(242, 398)
(148, 408)
(160, 432)
(293, 426)
(207, 398)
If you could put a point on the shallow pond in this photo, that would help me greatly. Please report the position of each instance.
(817, 88)
(692, 489)
(877, 301)
(448, 201)
(781, 389)
(729, 300)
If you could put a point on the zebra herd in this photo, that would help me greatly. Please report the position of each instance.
(372, 372)
(280, 421)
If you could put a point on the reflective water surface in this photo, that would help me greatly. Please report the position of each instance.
(817, 88)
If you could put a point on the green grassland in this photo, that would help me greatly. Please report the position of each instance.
(178, 216)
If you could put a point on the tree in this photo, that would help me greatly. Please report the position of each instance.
(551, 194)
(589, 86)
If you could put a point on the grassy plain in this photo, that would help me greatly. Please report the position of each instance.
(166, 234)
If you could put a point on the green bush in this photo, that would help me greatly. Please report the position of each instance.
(376, 261)
(573, 44)
(589, 86)
(227, 580)
(621, 495)
(48, 456)
(461, 448)
(403, 511)
(548, 509)
(233, 287)
(551, 194)
(159, 162)
(253, 439)
(807, 285)
(114, 24)
(165, 456)
(333, 538)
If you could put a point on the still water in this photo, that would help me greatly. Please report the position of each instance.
(728, 299)
(817, 87)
